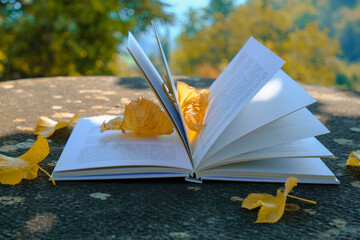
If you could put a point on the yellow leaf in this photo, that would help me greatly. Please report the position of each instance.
(354, 159)
(46, 126)
(271, 207)
(193, 104)
(113, 124)
(13, 170)
(143, 117)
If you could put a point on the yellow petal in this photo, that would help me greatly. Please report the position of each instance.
(13, 170)
(354, 159)
(193, 104)
(46, 126)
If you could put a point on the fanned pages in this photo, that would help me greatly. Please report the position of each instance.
(257, 128)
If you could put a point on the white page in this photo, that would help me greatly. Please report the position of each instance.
(119, 176)
(156, 83)
(88, 148)
(253, 67)
(279, 97)
(307, 170)
(171, 83)
(295, 126)
(308, 147)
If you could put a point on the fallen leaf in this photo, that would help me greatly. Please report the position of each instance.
(46, 126)
(354, 159)
(193, 104)
(13, 170)
(143, 117)
(271, 207)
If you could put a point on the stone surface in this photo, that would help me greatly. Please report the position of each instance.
(162, 208)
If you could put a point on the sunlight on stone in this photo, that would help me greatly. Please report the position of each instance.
(99, 107)
(343, 141)
(355, 129)
(338, 222)
(236, 199)
(356, 184)
(125, 100)
(108, 93)
(89, 91)
(9, 86)
(24, 129)
(9, 200)
(195, 189)
(98, 195)
(62, 115)
(27, 144)
(115, 112)
(18, 120)
(40, 222)
(179, 235)
(8, 148)
(310, 211)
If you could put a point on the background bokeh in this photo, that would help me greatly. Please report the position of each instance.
(319, 39)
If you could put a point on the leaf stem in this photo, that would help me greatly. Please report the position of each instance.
(302, 199)
(53, 181)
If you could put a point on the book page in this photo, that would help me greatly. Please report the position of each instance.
(307, 170)
(156, 83)
(88, 148)
(279, 97)
(170, 82)
(305, 148)
(295, 126)
(248, 72)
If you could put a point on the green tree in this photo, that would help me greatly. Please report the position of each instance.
(309, 52)
(68, 37)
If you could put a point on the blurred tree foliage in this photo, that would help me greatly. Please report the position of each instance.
(318, 39)
(68, 37)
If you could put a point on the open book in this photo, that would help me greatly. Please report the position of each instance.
(257, 128)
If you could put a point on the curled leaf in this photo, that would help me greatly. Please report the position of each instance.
(113, 124)
(46, 126)
(271, 207)
(193, 104)
(354, 159)
(13, 170)
(143, 117)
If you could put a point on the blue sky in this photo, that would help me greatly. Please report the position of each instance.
(178, 8)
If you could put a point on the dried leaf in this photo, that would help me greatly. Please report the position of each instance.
(354, 159)
(13, 170)
(113, 124)
(143, 117)
(271, 207)
(46, 126)
(193, 104)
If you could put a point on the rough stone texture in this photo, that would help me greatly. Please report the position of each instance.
(162, 208)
